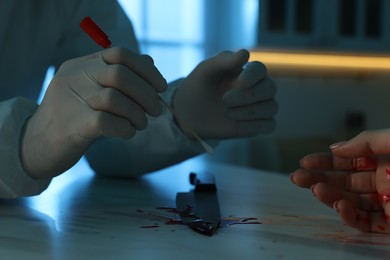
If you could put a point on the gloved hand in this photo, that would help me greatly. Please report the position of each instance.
(222, 98)
(103, 94)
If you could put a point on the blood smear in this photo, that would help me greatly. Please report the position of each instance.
(384, 197)
(388, 174)
(224, 223)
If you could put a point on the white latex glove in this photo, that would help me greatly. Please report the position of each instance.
(222, 98)
(103, 94)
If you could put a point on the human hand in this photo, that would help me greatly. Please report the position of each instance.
(353, 179)
(222, 98)
(107, 94)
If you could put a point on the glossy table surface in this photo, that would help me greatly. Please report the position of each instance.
(83, 217)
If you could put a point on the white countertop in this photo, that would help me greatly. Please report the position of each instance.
(82, 217)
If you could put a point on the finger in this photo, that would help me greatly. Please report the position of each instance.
(329, 194)
(133, 86)
(383, 185)
(115, 127)
(326, 161)
(359, 182)
(263, 90)
(366, 143)
(255, 127)
(142, 65)
(101, 123)
(112, 101)
(105, 124)
(252, 73)
(365, 221)
(148, 58)
(262, 110)
(225, 62)
(351, 216)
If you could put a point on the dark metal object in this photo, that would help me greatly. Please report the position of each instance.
(199, 209)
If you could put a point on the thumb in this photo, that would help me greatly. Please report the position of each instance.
(365, 144)
(226, 62)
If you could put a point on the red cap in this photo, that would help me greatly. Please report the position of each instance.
(94, 31)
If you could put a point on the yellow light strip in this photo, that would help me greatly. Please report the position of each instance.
(322, 60)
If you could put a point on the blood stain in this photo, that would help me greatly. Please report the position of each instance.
(388, 174)
(364, 164)
(382, 228)
(384, 197)
(224, 222)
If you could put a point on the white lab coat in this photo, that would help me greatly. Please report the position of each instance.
(35, 34)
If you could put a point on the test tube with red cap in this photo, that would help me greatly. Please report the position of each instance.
(94, 31)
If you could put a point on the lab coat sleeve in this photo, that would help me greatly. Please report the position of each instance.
(14, 181)
(160, 145)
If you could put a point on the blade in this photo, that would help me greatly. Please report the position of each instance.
(199, 210)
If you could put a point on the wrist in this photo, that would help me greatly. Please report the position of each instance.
(173, 99)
